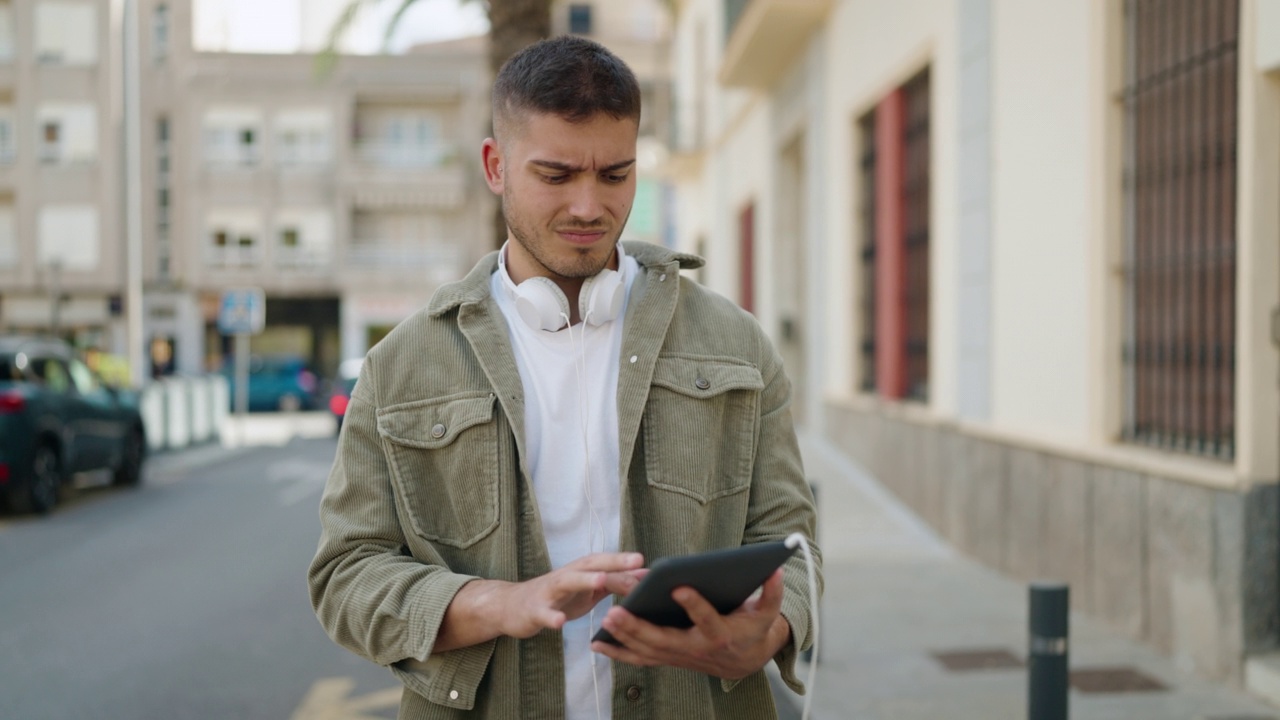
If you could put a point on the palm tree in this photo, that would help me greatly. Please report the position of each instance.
(513, 25)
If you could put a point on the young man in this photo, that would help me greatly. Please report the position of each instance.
(573, 409)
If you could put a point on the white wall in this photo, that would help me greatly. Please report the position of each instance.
(872, 48)
(1041, 180)
(67, 32)
(77, 131)
(69, 236)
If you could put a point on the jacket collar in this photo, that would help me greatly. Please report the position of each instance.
(474, 287)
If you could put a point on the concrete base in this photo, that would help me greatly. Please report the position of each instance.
(1189, 569)
(1262, 677)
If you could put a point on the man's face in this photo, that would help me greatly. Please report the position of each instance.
(566, 189)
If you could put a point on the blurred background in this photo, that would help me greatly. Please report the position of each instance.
(1022, 261)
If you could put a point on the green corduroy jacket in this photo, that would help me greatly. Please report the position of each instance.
(429, 490)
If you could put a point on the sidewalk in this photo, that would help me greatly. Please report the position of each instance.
(896, 595)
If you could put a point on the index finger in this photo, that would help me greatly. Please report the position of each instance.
(608, 562)
(701, 612)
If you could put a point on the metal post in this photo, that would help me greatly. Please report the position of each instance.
(1047, 652)
(133, 195)
(242, 383)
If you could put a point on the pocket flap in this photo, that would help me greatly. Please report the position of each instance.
(704, 377)
(434, 423)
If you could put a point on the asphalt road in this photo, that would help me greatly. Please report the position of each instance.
(183, 598)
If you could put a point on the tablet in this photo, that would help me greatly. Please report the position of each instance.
(726, 578)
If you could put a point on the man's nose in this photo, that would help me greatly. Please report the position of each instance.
(585, 202)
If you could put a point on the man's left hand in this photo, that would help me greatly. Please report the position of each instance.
(729, 646)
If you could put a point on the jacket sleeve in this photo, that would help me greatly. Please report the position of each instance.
(782, 503)
(369, 593)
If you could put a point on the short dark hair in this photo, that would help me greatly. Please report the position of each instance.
(569, 76)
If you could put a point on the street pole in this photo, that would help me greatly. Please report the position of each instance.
(242, 384)
(133, 195)
(1048, 653)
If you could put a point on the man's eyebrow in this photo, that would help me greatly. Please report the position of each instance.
(567, 168)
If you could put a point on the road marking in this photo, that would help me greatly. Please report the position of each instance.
(328, 700)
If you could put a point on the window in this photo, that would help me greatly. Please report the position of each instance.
(233, 237)
(51, 142)
(304, 237)
(747, 257)
(303, 137)
(8, 239)
(231, 136)
(8, 149)
(867, 256)
(160, 33)
(66, 32)
(894, 166)
(580, 19)
(1180, 236)
(68, 237)
(82, 378)
(403, 138)
(68, 133)
(6, 31)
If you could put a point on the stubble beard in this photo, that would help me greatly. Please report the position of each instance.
(582, 264)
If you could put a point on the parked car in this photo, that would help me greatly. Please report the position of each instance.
(276, 382)
(343, 386)
(58, 419)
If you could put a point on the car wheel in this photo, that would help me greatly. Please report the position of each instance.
(41, 495)
(289, 403)
(130, 470)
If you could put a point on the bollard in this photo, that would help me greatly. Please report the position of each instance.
(1047, 652)
(807, 655)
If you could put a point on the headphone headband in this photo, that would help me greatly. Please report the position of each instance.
(543, 306)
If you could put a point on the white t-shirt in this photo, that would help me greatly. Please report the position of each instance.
(565, 373)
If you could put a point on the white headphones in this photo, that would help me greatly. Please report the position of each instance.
(543, 306)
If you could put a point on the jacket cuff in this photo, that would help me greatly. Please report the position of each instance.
(449, 678)
(796, 611)
(796, 615)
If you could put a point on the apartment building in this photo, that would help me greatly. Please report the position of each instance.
(1023, 263)
(61, 219)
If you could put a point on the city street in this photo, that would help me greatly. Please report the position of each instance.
(184, 598)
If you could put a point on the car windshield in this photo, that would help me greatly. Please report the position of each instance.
(9, 371)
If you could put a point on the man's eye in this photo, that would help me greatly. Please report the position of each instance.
(615, 178)
(555, 179)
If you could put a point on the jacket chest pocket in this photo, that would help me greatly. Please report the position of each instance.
(700, 427)
(443, 454)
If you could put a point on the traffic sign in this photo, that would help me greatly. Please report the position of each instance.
(242, 310)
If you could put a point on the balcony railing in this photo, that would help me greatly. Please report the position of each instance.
(304, 257)
(373, 254)
(763, 38)
(234, 256)
(409, 156)
(231, 155)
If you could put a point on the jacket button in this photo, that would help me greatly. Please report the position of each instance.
(702, 383)
(633, 693)
(437, 431)
(453, 694)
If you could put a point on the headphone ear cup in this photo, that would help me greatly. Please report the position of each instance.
(541, 304)
(601, 297)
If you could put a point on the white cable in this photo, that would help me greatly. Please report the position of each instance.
(792, 541)
(579, 367)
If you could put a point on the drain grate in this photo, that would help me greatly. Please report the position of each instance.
(1114, 680)
(978, 659)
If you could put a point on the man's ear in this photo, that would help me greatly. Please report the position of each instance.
(492, 156)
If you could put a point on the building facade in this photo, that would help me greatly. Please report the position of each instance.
(1023, 263)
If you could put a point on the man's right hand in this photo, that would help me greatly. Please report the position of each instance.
(485, 609)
